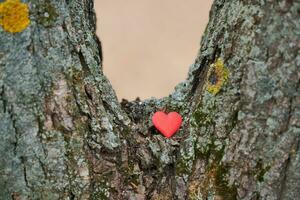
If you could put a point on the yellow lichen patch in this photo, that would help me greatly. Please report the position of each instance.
(14, 16)
(217, 76)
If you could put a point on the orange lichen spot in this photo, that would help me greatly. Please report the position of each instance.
(14, 16)
(217, 76)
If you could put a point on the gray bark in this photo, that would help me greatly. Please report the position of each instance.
(64, 135)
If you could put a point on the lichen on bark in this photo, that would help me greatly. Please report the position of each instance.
(64, 135)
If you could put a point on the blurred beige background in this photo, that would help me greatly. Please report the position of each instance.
(148, 45)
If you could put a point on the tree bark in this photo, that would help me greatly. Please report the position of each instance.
(64, 135)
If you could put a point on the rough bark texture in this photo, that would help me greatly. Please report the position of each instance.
(64, 135)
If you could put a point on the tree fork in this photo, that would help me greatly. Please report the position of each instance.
(64, 135)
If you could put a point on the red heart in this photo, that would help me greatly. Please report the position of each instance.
(167, 124)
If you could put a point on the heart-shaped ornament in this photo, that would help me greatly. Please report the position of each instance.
(167, 124)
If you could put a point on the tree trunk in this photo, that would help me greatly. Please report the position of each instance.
(64, 135)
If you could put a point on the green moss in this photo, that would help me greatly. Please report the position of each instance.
(210, 152)
(46, 14)
(203, 117)
(77, 76)
(102, 192)
(216, 171)
(261, 170)
(130, 175)
(232, 122)
(102, 189)
(214, 184)
(221, 184)
(182, 167)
